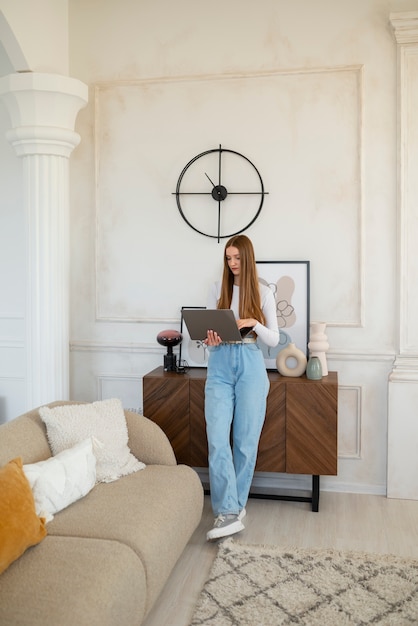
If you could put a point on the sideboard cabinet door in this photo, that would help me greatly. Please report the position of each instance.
(272, 447)
(311, 427)
(198, 440)
(166, 402)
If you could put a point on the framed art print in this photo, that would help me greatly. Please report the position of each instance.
(192, 353)
(289, 282)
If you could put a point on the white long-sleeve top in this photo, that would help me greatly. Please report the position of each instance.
(268, 333)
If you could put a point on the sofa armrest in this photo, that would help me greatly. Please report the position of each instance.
(148, 442)
(24, 437)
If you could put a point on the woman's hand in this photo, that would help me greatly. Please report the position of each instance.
(249, 322)
(212, 338)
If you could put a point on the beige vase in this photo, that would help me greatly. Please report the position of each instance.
(291, 352)
(318, 344)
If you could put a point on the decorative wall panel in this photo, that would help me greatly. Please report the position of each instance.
(349, 422)
(126, 387)
(302, 130)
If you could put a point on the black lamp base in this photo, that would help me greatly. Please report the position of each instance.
(169, 338)
(170, 363)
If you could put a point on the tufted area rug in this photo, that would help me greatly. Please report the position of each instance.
(267, 586)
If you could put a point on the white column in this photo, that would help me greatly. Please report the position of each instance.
(43, 109)
(402, 475)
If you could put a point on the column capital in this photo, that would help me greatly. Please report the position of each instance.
(405, 370)
(405, 26)
(43, 110)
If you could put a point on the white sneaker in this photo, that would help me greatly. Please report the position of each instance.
(224, 526)
(242, 514)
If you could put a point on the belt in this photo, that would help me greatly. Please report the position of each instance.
(245, 340)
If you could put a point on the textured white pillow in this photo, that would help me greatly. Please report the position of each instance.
(61, 480)
(105, 420)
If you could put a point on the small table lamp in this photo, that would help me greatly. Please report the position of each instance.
(169, 338)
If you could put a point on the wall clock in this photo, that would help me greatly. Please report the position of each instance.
(220, 193)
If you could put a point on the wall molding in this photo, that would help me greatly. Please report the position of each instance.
(291, 482)
(136, 320)
(356, 426)
(113, 347)
(405, 370)
(365, 355)
(358, 320)
(19, 379)
(154, 348)
(12, 343)
(103, 379)
(405, 26)
(186, 78)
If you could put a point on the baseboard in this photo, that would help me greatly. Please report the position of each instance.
(269, 481)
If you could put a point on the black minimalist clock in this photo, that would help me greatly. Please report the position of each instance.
(220, 193)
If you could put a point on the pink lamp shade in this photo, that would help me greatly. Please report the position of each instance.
(169, 338)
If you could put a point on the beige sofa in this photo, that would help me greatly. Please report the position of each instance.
(107, 556)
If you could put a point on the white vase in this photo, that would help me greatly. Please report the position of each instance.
(291, 351)
(318, 344)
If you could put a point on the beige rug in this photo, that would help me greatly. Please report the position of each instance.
(268, 586)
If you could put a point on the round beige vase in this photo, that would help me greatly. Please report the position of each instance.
(291, 352)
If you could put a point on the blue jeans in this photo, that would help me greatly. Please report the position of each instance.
(235, 396)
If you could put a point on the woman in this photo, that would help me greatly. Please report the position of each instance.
(237, 385)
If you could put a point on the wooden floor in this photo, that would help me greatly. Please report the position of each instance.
(344, 521)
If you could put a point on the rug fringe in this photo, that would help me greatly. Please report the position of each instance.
(230, 542)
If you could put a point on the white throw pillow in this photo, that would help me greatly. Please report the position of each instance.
(105, 420)
(61, 480)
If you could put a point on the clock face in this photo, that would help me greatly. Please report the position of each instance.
(220, 193)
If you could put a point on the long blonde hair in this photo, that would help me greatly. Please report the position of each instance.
(249, 290)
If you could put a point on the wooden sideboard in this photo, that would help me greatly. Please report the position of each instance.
(299, 434)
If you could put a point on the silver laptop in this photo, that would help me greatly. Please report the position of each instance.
(222, 321)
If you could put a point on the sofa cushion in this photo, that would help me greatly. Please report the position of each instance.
(68, 581)
(62, 479)
(105, 420)
(20, 526)
(154, 512)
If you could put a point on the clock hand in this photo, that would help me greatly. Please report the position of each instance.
(213, 184)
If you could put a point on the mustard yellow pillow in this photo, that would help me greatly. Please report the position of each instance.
(20, 527)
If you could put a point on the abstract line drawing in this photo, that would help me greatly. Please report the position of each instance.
(289, 282)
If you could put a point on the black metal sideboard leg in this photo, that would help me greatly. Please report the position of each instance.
(315, 493)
